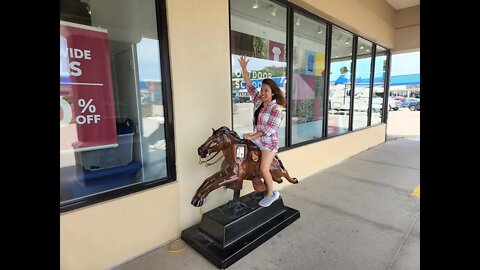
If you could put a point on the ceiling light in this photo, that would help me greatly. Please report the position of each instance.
(361, 47)
(348, 40)
(368, 50)
(297, 22)
(319, 31)
(274, 11)
(255, 5)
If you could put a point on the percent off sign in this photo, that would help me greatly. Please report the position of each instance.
(86, 116)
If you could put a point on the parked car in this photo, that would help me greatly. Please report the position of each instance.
(242, 99)
(393, 104)
(399, 98)
(410, 103)
(414, 107)
(377, 104)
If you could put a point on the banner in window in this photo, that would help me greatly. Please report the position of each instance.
(87, 114)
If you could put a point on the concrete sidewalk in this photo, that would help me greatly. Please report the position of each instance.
(358, 214)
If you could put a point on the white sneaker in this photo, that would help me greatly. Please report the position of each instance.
(267, 200)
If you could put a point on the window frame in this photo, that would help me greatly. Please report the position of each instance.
(162, 33)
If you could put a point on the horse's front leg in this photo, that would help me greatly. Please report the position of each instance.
(228, 178)
(198, 198)
(209, 180)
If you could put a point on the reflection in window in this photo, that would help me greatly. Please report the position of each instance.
(112, 131)
(379, 77)
(361, 97)
(340, 82)
(308, 79)
(260, 34)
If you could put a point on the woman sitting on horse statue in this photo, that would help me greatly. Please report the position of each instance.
(266, 123)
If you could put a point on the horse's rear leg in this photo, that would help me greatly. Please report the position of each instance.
(258, 184)
(276, 174)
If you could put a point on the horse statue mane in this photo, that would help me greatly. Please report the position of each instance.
(242, 160)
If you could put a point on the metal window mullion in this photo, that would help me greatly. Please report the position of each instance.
(352, 81)
(162, 32)
(290, 34)
(326, 81)
(372, 76)
(387, 86)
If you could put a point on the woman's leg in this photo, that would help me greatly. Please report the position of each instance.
(267, 158)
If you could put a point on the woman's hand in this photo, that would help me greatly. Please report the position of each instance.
(243, 61)
(247, 136)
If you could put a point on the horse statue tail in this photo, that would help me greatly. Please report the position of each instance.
(280, 162)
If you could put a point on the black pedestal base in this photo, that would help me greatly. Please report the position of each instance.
(231, 231)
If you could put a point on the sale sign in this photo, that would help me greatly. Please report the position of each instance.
(86, 94)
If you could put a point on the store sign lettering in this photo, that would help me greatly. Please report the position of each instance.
(74, 53)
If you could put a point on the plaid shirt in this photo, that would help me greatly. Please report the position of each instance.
(269, 120)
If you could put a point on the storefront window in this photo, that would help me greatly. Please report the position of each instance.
(258, 30)
(112, 121)
(380, 74)
(339, 95)
(361, 97)
(308, 79)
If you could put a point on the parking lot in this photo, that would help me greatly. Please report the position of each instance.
(403, 123)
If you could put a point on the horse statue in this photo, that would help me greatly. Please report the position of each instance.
(242, 162)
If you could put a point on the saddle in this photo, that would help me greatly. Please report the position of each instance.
(253, 148)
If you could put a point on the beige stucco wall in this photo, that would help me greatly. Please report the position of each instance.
(108, 233)
(200, 66)
(407, 30)
(105, 234)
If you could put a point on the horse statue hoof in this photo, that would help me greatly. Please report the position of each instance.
(197, 202)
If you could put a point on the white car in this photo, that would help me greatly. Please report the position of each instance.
(393, 104)
(377, 104)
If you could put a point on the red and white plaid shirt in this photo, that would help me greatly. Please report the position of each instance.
(269, 120)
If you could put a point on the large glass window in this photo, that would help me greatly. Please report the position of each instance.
(112, 122)
(339, 94)
(361, 98)
(308, 79)
(380, 74)
(258, 30)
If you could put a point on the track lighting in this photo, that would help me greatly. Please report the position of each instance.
(255, 5)
(297, 23)
(319, 31)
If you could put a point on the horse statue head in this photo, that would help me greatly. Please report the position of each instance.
(242, 160)
(216, 142)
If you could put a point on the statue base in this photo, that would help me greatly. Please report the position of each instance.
(229, 232)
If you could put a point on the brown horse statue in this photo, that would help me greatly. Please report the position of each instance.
(242, 162)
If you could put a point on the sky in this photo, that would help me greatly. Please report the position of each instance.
(405, 63)
(148, 59)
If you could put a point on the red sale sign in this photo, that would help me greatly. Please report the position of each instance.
(86, 94)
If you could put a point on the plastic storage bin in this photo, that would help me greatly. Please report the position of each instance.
(108, 157)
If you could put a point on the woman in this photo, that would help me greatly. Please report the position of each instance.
(267, 119)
